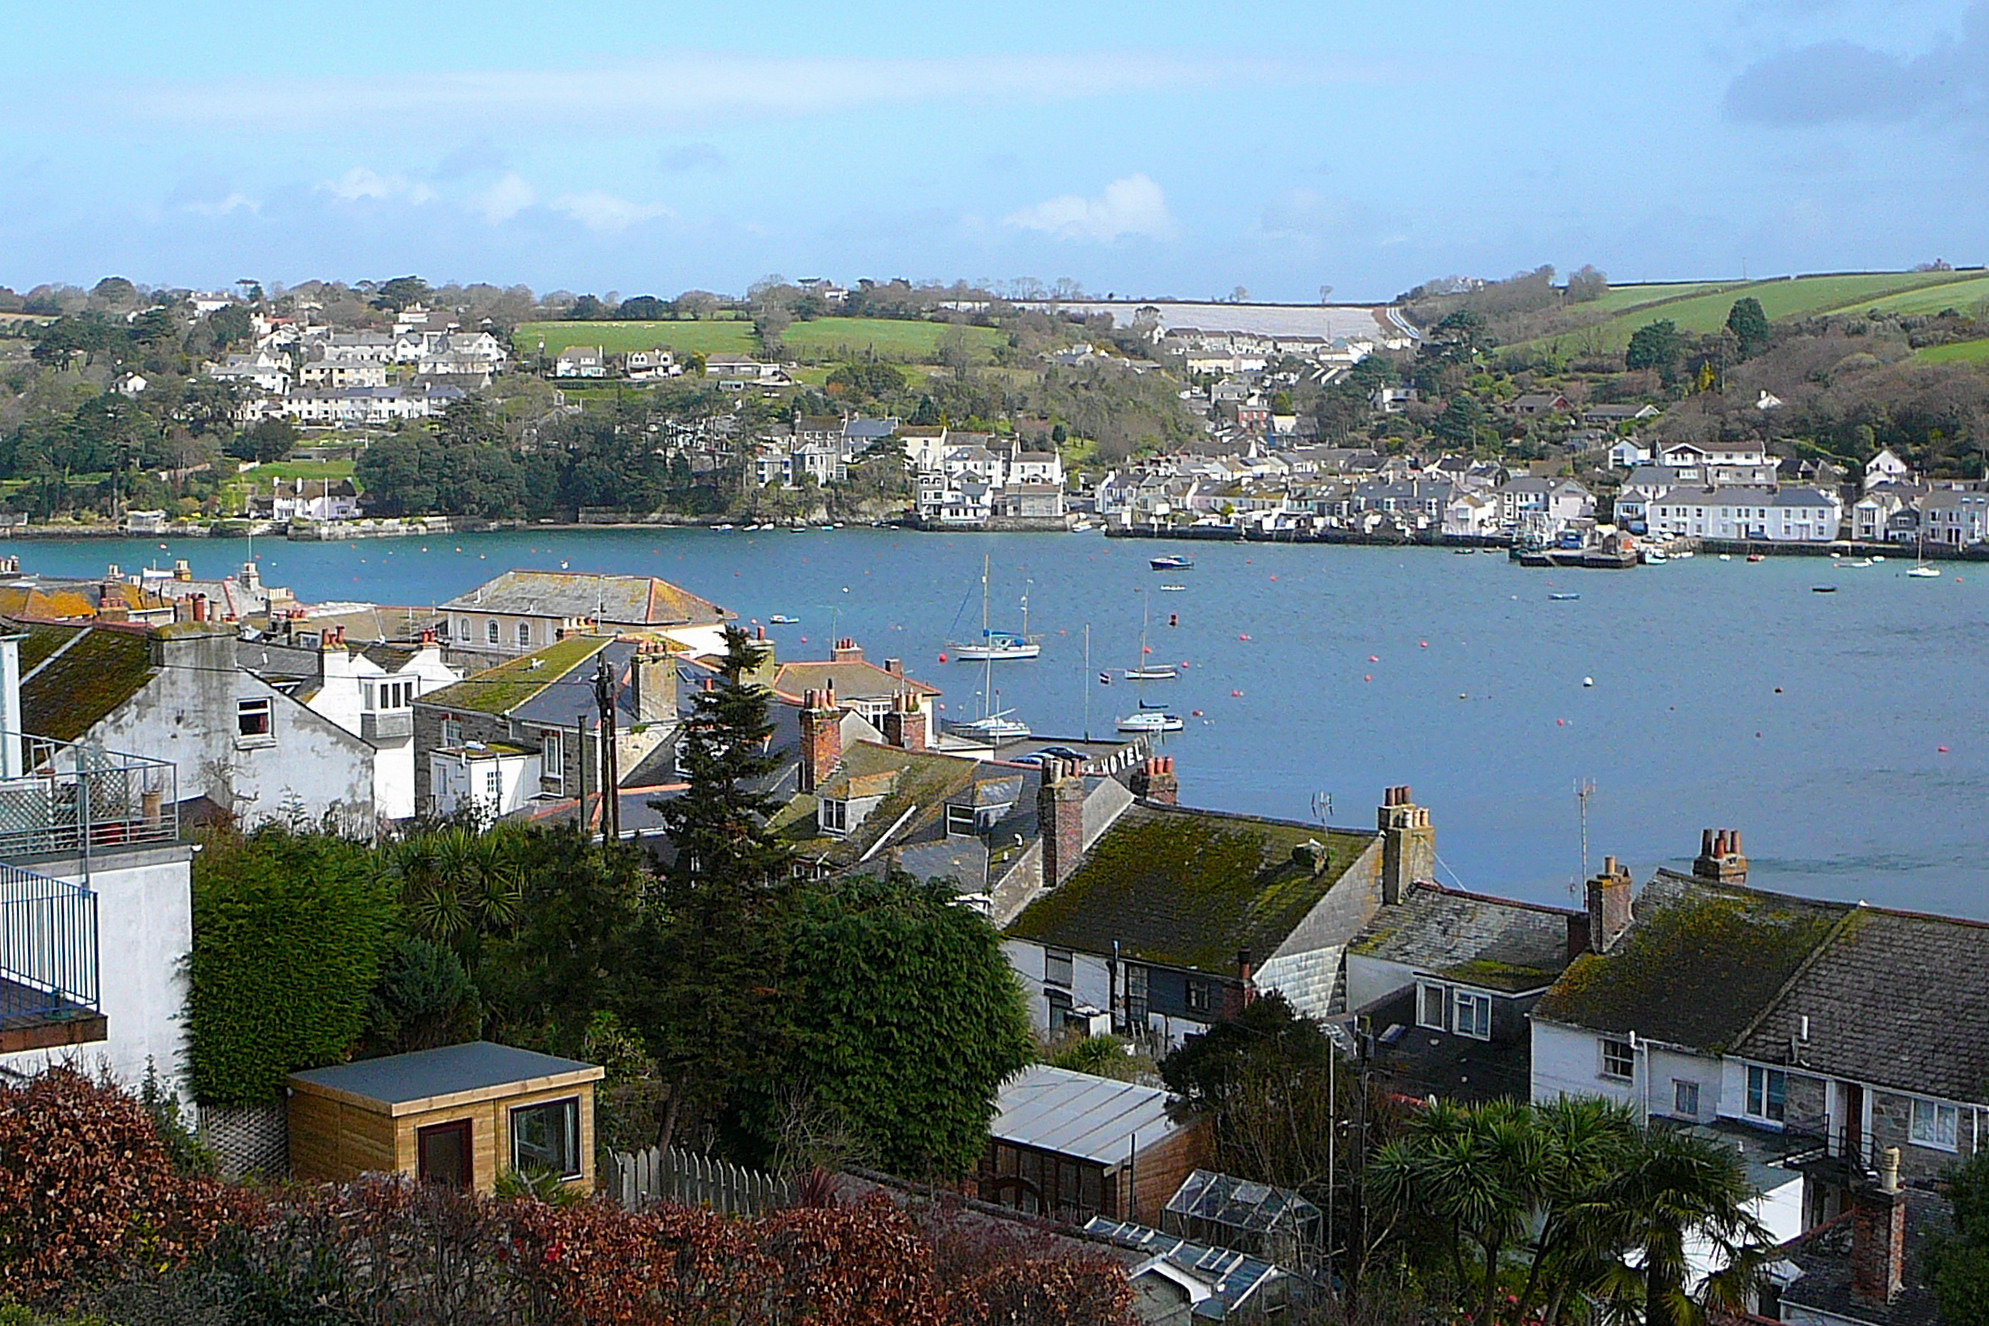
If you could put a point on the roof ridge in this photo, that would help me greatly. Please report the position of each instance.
(1810, 959)
(1521, 903)
(60, 650)
(1260, 819)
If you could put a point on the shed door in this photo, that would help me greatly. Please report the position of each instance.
(442, 1153)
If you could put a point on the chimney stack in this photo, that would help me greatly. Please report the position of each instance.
(845, 650)
(1608, 906)
(1878, 1236)
(904, 725)
(1719, 860)
(1408, 844)
(821, 737)
(199, 607)
(895, 666)
(1060, 820)
(653, 677)
(1154, 781)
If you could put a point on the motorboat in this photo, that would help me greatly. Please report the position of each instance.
(1655, 557)
(1171, 562)
(1564, 596)
(1173, 589)
(1150, 721)
(1823, 589)
(782, 619)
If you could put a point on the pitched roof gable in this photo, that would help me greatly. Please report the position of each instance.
(81, 676)
(514, 682)
(1492, 943)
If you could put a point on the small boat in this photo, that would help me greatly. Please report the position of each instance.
(1655, 557)
(992, 645)
(1858, 564)
(1152, 720)
(1756, 557)
(1463, 552)
(1173, 589)
(1878, 557)
(1726, 557)
(1564, 596)
(1823, 589)
(1171, 562)
(721, 529)
(1148, 671)
(1682, 554)
(1925, 572)
(994, 729)
(782, 619)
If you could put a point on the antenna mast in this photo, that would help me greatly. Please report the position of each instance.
(1584, 789)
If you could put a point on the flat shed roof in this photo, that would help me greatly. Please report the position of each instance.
(1076, 1114)
(478, 1068)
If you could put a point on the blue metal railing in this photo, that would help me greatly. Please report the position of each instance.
(48, 947)
(66, 799)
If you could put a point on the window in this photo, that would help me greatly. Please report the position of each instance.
(252, 719)
(525, 633)
(552, 757)
(1199, 996)
(959, 821)
(1136, 1009)
(1767, 1093)
(490, 630)
(1684, 1098)
(462, 628)
(1619, 1059)
(1430, 1001)
(546, 1138)
(1474, 1015)
(1934, 1124)
(1057, 966)
(835, 816)
(493, 786)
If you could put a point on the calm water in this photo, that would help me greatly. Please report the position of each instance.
(1726, 694)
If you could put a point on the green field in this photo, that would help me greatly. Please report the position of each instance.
(714, 337)
(302, 469)
(1802, 296)
(1962, 352)
(1621, 298)
(886, 338)
(1961, 295)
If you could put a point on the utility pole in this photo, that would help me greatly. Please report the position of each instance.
(1584, 789)
(604, 698)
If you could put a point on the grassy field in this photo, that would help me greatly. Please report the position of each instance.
(302, 469)
(887, 338)
(1964, 352)
(1962, 295)
(1802, 296)
(1621, 298)
(715, 337)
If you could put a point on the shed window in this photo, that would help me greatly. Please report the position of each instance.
(1198, 996)
(1429, 1007)
(252, 718)
(546, 1138)
(1057, 967)
(493, 786)
(1474, 1015)
(1767, 1093)
(1619, 1059)
(1934, 1124)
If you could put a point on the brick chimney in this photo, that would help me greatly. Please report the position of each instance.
(821, 737)
(1719, 858)
(1878, 1236)
(846, 650)
(895, 666)
(1608, 906)
(904, 725)
(1408, 844)
(1154, 781)
(652, 675)
(1060, 820)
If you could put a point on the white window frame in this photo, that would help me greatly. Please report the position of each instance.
(1754, 1101)
(552, 758)
(452, 734)
(1427, 994)
(1059, 967)
(1481, 1004)
(1930, 1135)
(961, 822)
(1679, 1086)
(266, 708)
(834, 816)
(1604, 1046)
(493, 784)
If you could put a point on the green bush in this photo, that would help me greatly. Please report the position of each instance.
(288, 934)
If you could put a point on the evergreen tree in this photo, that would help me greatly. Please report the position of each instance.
(710, 936)
(1959, 1261)
(1654, 345)
(1749, 326)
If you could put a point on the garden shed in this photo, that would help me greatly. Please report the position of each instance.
(461, 1115)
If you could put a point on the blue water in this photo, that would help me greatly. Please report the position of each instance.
(1726, 694)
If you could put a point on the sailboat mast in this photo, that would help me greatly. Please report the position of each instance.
(987, 656)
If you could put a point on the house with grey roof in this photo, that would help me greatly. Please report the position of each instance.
(1746, 512)
(522, 611)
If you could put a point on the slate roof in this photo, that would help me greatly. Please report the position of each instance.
(65, 694)
(921, 782)
(621, 600)
(1491, 943)
(1896, 999)
(1188, 888)
(856, 679)
(1699, 963)
(1076, 1114)
(1823, 1255)
(509, 686)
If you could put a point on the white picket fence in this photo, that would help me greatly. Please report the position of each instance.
(684, 1178)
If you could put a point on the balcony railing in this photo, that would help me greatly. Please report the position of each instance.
(48, 953)
(61, 799)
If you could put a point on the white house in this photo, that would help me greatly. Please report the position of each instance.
(1471, 515)
(1764, 515)
(580, 361)
(1885, 468)
(1955, 517)
(1542, 507)
(1716, 463)
(1628, 453)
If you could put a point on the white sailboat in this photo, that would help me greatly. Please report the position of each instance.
(1149, 719)
(1149, 671)
(1921, 571)
(995, 725)
(998, 645)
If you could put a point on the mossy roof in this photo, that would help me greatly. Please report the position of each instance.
(919, 779)
(1698, 965)
(511, 683)
(1492, 943)
(99, 672)
(1189, 888)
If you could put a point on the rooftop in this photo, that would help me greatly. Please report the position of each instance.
(620, 600)
(1491, 943)
(1189, 888)
(1699, 963)
(515, 681)
(1076, 1114)
(402, 1079)
(1823, 1256)
(73, 676)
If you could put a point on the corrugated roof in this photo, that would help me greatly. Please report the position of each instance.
(1076, 1114)
(399, 1078)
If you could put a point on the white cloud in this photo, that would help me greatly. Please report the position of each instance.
(604, 212)
(360, 184)
(1130, 206)
(234, 202)
(505, 199)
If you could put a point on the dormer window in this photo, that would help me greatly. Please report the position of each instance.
(960, 821)
(833, 816)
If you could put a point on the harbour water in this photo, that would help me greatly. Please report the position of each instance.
(1841, 733)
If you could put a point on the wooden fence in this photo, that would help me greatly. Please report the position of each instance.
(684, 1178)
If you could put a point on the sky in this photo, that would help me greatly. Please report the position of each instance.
(1149, 150)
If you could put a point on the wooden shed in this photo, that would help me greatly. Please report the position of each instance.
(461, 1115)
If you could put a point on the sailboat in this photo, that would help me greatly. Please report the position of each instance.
(1147, 671)
(1149, 718)
(995, 725)
(1921, 571)
(997, 645)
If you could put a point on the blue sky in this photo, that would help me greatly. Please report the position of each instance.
(1151, 149)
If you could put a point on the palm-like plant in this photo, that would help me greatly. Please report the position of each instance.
(456, 885)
